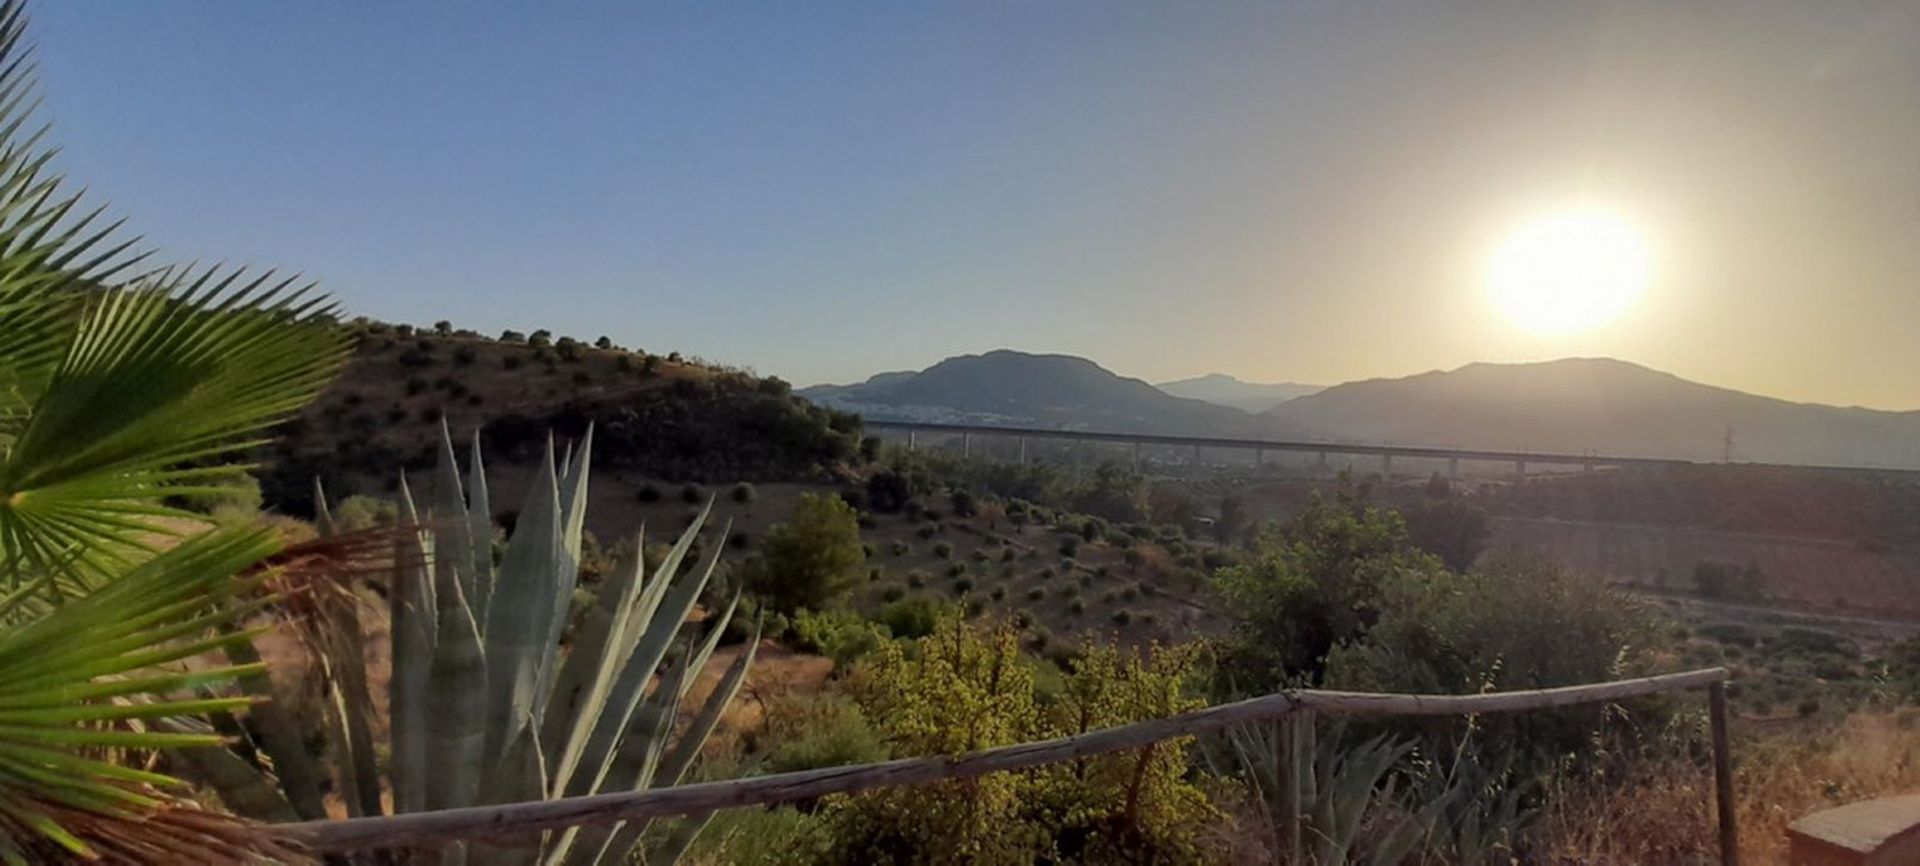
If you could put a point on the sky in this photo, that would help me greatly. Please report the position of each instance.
(821, 191)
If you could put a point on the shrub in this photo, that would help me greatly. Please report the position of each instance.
(648, 493)
(963, 503)
(511, 362)
(740, 540)
(1037, 593)
(1122, 616)
(808, 732)
(911, 618)
(691, 494)
(927, 532)
(1076, 607)
(892, 594)
(743, 493)
(943, 550)
(512, 336)
(464, 356)
(967, 687)
(963, 586)
(900, 547)
(841, 635)
(916, 578)
(956, 569)
(1070, 546)
(810, 560)
(999, 593)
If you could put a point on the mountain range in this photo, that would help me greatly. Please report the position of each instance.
(1575, 405)
(1228, 391)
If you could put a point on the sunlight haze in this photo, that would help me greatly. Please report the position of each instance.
(1311, 191)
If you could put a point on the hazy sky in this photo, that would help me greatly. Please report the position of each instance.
(820, 191)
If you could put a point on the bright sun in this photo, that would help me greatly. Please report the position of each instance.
(1568, 271)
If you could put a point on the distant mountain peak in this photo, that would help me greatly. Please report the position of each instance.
(1226, 390)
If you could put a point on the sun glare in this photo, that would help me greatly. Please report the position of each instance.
(1568, 271)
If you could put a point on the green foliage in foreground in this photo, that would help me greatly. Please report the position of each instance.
(120, 404)
(967, 687)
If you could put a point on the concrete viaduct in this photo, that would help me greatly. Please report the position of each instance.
(1519, 459)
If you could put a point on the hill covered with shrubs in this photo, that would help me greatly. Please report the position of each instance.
(665, 416)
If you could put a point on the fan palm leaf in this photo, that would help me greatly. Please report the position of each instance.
(115, 396)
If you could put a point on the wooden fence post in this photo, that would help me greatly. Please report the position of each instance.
(1723, 774)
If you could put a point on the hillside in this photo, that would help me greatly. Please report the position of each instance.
(1017, 388)
(1604, 405)
(661, 416)
(1224, 390)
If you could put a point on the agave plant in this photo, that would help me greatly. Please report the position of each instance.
(491, 699)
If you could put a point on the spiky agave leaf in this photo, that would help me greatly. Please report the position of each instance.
(84, 676)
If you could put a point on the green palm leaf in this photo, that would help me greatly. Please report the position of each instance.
(116, 395)
(79, 679)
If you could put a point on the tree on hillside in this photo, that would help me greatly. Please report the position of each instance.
(811, 560)
(1314, 582)
(1233, 518)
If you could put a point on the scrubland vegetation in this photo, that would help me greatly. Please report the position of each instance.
(186, 650)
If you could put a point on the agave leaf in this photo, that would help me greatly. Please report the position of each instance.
(413, 616)
(616, 717)
(520, 621)
(453, 548)
(278, 732)
(587, 674)
(242, 787)
(458, 697)
(479, 584)
(633, 762)
(673, 769)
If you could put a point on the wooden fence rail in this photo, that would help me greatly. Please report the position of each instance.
(430, 828)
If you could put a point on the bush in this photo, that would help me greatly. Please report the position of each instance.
(807, 732)
(916, 578)
(841, 635)
(892, 594)
(1037, 593)
(963, 586)
(1076, 607)
(967, 687)
(1070, 546)
(691, 494)
(511, 362)
(648, 493)
(943, 550)
(963, 503)
(956, 569)
(743, 493)
(900, 547)
(1122, 616)
(812, 559)
(911, 618)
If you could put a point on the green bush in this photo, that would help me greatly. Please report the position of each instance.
(963, 586)
(807, 732)
(900, 547)
(1037, 593)
(911, 618)
(841, 635)
(810, 560)
(743, 493)
(691, 494)
(943, 550)
(1122, 616)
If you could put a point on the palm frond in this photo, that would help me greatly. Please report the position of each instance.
(83, 678)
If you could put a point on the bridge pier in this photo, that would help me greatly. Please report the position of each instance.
(1520, 468)
(1453, 468)
(1386, 466)
(1322, 468)
(1136, 457)
(1023, 451)
(910, 441)
(966, 444)
(1196, 456)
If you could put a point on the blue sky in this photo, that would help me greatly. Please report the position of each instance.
(826, 190)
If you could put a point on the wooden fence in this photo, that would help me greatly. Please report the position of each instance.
(431, 828)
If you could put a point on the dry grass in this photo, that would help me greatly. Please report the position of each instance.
(1663, 813)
